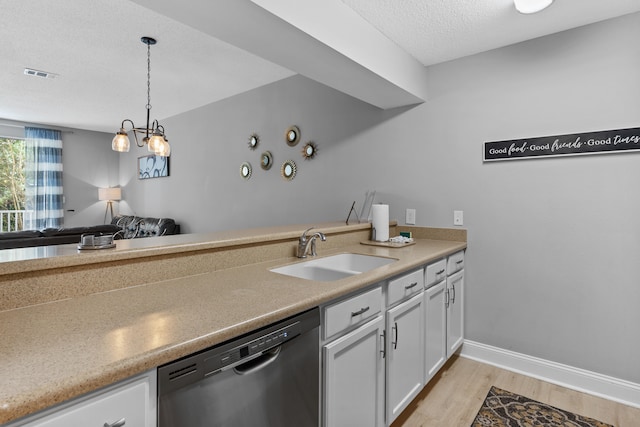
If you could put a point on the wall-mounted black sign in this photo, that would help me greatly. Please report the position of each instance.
(608, 141)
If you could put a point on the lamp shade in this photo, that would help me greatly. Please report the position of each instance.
(112, 193)
(531, 6)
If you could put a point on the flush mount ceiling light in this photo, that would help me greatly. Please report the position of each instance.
(154, 136)
(531, 6)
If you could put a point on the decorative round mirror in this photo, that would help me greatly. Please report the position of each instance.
(245, 170)
(309, 150)
(288, 170)
(254, 140)
(292, 136)
(266, 160)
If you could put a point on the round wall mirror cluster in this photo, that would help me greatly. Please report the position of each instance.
(289, 168)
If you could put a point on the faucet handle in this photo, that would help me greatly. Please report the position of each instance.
(303, 237)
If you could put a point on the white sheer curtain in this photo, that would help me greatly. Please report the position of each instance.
(43, 177)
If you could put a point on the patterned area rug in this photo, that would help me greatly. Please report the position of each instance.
(505, 409)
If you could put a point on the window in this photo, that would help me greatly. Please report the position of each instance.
(12, 184)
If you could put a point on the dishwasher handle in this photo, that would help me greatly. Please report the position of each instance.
(257, 363)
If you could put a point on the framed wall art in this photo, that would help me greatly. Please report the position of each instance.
(153, 166)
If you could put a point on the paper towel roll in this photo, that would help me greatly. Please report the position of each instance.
(380, 222)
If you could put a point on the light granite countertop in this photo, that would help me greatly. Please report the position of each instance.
(59, 350)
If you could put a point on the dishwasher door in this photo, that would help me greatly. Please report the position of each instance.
(240, 384)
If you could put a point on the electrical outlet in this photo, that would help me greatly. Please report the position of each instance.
(410, 218)
(458, 218)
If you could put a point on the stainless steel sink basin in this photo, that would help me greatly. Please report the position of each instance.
(334, 267)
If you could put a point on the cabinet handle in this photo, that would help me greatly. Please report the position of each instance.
(440, 272)
(411, 286)
(359, 312)
(459, 262)
(453, 299)
(446, 298)
(395, 328)
(384, 344)
(118, 423)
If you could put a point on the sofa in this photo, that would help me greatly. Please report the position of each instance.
(122, 227)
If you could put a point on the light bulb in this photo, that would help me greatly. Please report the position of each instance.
(164, 149)
(120, 142)
(155, 142)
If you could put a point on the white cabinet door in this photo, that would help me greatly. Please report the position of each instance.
(353, 392)
(455, 312)
(131, 403)
(405, 355)
(435, 329)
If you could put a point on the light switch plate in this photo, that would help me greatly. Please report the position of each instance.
(410, 218)
(458, 218)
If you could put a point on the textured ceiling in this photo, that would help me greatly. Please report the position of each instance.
(94, 47)
(435, 31)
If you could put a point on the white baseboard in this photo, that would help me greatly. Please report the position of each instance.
(610, 388)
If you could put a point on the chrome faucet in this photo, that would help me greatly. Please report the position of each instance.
(305, 242)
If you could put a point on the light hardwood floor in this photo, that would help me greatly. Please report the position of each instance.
(455, 395)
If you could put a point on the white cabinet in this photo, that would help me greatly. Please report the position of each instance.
(353, 372)
(129, 403)
(405, 355)
(455, 312)
(444, 311)
(435, 328)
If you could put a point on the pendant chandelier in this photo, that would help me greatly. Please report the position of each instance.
(154, 136)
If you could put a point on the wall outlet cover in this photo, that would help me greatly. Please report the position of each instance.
(458, 218)
(410, 218)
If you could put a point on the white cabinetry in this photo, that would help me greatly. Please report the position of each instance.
(353, 361)
(444, 311)
(128, 403)
(455, 312)
(405, 354)
(354, 377)
(435, 329)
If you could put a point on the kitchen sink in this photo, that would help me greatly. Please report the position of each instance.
(334, 267)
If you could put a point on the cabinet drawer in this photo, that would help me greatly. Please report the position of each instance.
(435, 273)
(455, 262)
(405, 286)
(341, 316)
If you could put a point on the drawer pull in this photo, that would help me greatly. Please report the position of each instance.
(359, 312)
(118, 423)
(411, 286)
(459, 262)
(440, 272)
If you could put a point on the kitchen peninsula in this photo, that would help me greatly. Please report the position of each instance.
(75, 321)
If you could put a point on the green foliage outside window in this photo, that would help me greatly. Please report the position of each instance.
(12, 177)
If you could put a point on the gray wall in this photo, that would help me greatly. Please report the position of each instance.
(552, 268)
(88, 164)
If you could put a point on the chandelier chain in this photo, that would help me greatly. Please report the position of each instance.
(148, 76)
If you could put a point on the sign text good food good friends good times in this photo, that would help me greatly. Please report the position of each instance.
(609, 141)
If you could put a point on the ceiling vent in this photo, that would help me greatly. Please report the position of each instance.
(38, 73)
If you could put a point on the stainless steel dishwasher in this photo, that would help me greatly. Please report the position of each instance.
(269, 377)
